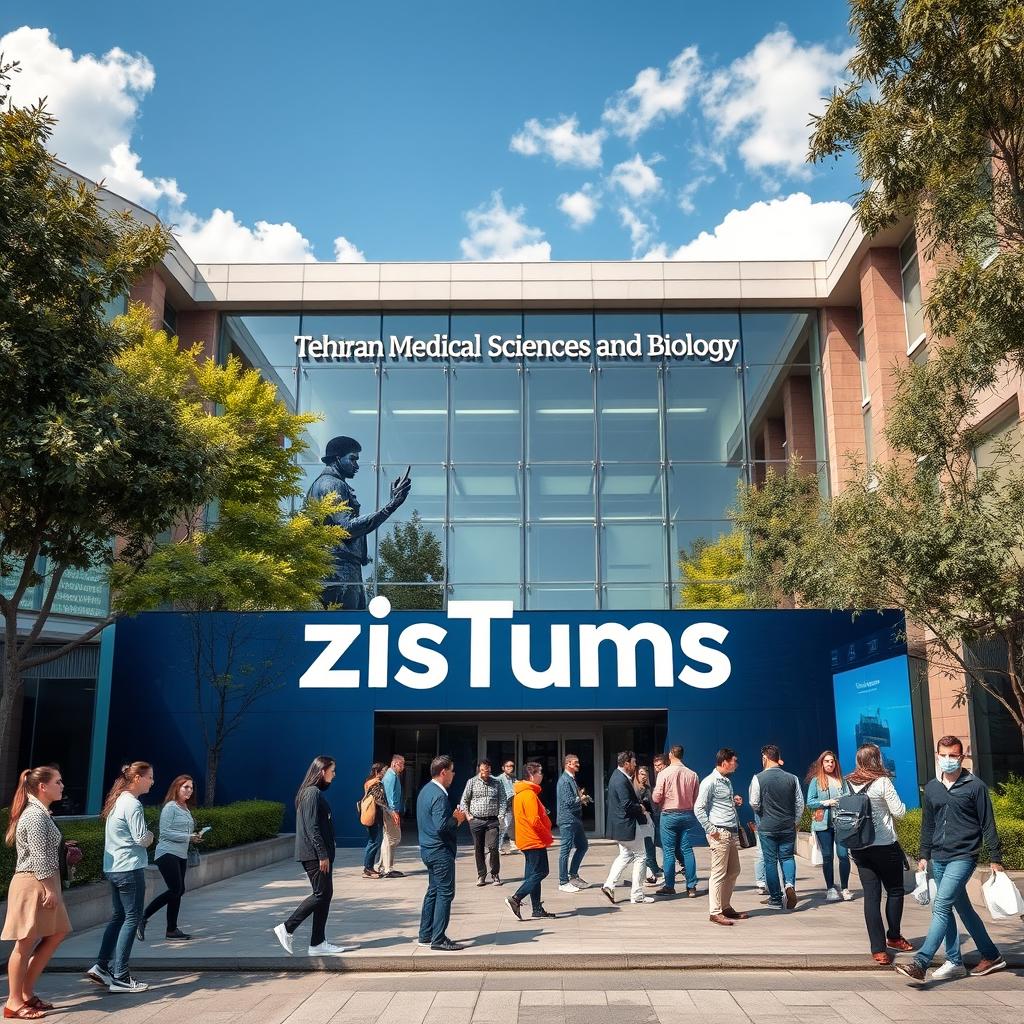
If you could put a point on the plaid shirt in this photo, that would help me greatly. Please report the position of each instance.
(483, 799)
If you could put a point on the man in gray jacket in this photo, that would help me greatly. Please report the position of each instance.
(776, 796)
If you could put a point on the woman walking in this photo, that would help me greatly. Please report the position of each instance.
(177, 830)
(825, 786)
(37, 921)
(125, 842)
(642, 785)
(881, 864)
(314, 849)
(373, 786)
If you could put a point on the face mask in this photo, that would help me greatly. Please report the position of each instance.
(949, 764)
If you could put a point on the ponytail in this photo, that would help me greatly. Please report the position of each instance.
(128, 774)
(28, 784)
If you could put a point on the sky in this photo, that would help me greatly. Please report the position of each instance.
(535, 130)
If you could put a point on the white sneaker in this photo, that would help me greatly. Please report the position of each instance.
(329, 949)
(762, 889)
(579, 882)
(286, 940)
(832, 896)
(568, 887)
(129, 985)
(948, 971)
(99, 975)
(644, 899)
(847, 895)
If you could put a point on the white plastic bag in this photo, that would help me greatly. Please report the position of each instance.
(1002, 897)
(816, 858)
(921, 893)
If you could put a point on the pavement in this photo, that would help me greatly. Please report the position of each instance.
(231, 923)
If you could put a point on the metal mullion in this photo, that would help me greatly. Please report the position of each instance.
(447, 518)
(377, 462)
(598, 524)
(665, 464)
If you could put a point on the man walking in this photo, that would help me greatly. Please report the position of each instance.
(625, 814)
(392, 783)
(437, 828)
(658, 764)
(571, 834)
(533, 837)
(507, 779)
(957, 818)
(715, 809)
(777, 798)
(483, 801)
(675, 792)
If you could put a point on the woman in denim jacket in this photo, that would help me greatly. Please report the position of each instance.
(825, 786)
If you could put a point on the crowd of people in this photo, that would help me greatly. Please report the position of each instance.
(852, 819)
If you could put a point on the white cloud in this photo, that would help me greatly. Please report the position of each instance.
(580, 206)
(636, 178)
(793, 228)
(222, 238)
(640, 231)
(690, 189)
(561, 140)
(346, 251)
(498, 233)
(766, 99)
(653, 96)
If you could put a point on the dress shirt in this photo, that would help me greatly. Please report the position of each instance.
(715, 807)
(676, 788)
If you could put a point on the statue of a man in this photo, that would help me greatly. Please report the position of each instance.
(345, 587)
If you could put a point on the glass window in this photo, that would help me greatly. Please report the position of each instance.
(264, 340)
(869, 436)
(117, 306)
(410, 552)
(630, 423)
(487, 492)
(689, 328)
(465, 326)
(703, 414)
(702, 490)
(777, 336)
(618, 597)
(343, 327)
(414, 415)
(492, 592)
(427, 497)
(688, 538)
(560, 492)
(419, 327)
(565, 597)
(487, 411)
(619, 330)
(560, 421)
(484, 553)
(346, 397)
(865, 387)
(631, 492)
(632, 552)
(560, 552)
(559, 327)
(412, 597)
(912, 298)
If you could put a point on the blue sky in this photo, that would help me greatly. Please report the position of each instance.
(545, 129)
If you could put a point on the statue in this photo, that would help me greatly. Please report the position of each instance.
(345, 587)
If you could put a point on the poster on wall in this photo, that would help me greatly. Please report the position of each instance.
(873, 706)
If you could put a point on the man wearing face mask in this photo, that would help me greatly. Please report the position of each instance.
(956, 819)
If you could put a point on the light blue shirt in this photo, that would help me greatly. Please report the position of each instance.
(393, 790)
(715, 807)
(176, 828)
(123, 836)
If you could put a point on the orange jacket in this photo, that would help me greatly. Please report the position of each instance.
(533, 826)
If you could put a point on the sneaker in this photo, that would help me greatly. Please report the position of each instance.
(496, 880)
(762, 890)
(99, 975)
(643, 899)
(128, 985)
(447, 946)
(394, 874)
(480, 882)
(912, 972)
(847, 895)
(541, 912)
(328, 949)
(505, 851)
(988, 967)
(178, 934)
(772, 904)
(900, 944)
(567, 887)
(832, 896)
(652, 880)
(664, 891)
(610, 893)
(579, 882)
(882, 959)
(790, 897)
(692, 893)
(513, 904)
(948, 971)
(286, 940)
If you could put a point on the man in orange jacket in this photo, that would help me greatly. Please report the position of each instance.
(533, 837)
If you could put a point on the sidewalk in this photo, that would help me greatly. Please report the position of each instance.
(231, 924)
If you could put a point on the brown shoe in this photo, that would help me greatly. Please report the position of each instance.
(900, 944)
(692, 893)
(912, 971)
(988, 967)
(664, 891)
(882, 959)
(734, 915)
(720, 919)
(367, 873)
(790, 897)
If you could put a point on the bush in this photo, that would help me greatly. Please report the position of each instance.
(247, 821)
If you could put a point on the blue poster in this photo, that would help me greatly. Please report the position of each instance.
(873, 706)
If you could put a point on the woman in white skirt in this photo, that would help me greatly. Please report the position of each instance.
(36, 920)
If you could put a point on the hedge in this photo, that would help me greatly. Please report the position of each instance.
(235, 824)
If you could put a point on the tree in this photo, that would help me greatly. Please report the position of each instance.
(86, 455)
(410, 553)
(710, 572)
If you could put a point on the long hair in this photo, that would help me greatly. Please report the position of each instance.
(28, 784)
(375, 769)
(128, 774)
(870, 766)
(172, 791)
(315, 774)
(817, 770)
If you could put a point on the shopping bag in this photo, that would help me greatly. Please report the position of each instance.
(816, 858)
(921, 892)
(1002, 897)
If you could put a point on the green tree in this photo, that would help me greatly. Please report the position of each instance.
(410, 553)
(710, 572)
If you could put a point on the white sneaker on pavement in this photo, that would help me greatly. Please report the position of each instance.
(328, 949)
(948, 971)
(832, 896)
(128, 985)
(99, 975)
(286, 940)
(847, 895)
(644, 899)
(762, 889)
(568, 887)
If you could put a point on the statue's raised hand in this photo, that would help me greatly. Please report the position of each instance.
(400, 489)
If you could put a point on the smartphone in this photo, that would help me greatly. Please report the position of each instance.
(203, 831)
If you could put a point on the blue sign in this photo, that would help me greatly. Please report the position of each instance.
(873, 706)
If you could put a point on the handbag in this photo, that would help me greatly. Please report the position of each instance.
(367, 809)
(193, 857)
(743, 837)
(817, 858)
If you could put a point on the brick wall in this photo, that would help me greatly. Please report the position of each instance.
(840, 366)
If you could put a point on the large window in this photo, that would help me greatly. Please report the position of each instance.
(913, 309)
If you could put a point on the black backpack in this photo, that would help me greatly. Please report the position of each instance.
(855, 828)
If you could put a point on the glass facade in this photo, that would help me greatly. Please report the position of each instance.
(555, 482)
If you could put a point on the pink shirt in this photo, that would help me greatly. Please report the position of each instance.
(676, 788)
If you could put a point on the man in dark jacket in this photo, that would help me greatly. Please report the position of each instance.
(778, 799)
(438, 827)
(572, 836)
(626, 823)
(957, 817)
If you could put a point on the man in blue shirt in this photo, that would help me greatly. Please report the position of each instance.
(570, 827)
(392, 829)
(507, 781)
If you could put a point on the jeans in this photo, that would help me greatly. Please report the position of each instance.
(506, 827)
(778, 851)
(573, 840)
(173, 870)
(677, 845)
(317, 903)
(536, 871)
(881, 866)
(485, 840)
(128, 894)
(829, 844)
(437, 901)
(374, 838)
(951, 878)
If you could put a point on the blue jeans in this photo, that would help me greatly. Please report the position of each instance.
(951, 878)
(374, 838)
(437, 903)
(779, 850)
(535, 872)
(831, 846)
(128, 896)
(573, 839)
(677, 845)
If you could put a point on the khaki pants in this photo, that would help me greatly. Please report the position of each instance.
(392, 837)
(725, 869)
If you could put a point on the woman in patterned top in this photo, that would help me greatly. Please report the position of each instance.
(374, 786)
(37, 920)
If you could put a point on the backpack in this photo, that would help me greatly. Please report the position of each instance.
(367, 809)
(854, 825)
